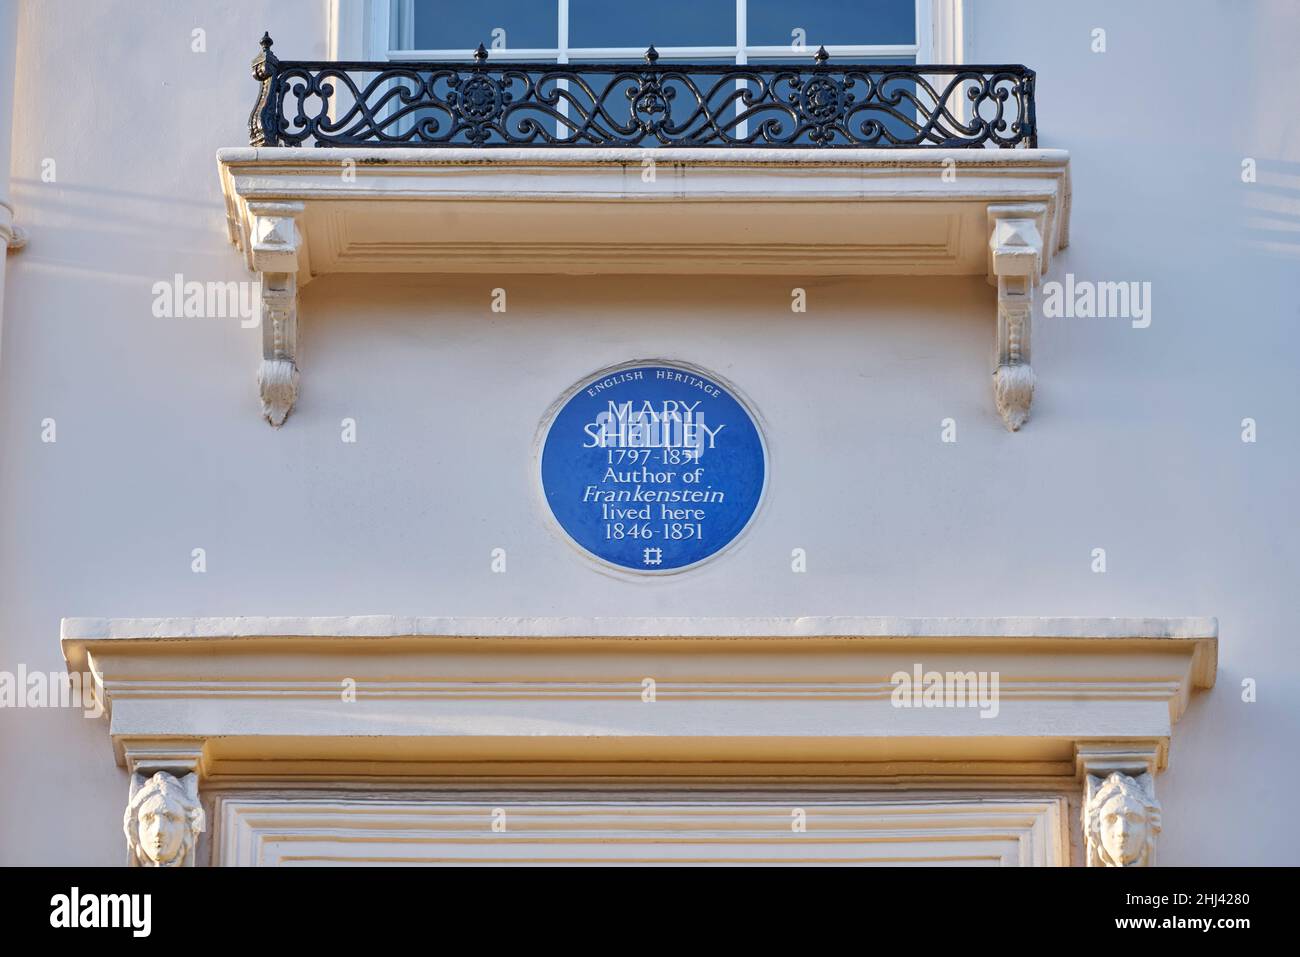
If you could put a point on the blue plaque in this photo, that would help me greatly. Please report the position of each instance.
(653, 467)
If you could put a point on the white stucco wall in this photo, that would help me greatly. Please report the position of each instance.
(1134, 444)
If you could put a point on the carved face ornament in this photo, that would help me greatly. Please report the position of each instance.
(162, 826)
(1124, 829)
(1121, 820)
(163, 820)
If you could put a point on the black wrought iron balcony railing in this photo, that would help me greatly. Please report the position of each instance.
(482, 104)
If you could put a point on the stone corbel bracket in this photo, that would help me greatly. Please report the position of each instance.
(177, 756)
(1134, 758)
(12, 236)
(1016, 265)
(275, 250)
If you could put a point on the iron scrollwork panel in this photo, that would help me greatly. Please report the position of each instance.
(648, 104)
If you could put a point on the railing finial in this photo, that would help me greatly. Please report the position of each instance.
(821, 56)
(264, 121)
(480, 55)
(651, 54)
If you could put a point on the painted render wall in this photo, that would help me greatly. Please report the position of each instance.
(1134, 442)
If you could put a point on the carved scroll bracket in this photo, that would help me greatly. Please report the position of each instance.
(276, 251)
(1015, 265)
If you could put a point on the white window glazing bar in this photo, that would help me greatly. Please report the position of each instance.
(731, 53)
(562, 56)
(637, 53)
(516, 55)
(742, 41)
(925, 48)
(837, 50)
(924, 31)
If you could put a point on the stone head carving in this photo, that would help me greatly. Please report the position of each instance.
(163, 819)
(1120, 821)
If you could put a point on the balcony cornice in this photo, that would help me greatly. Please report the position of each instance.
(298, 213)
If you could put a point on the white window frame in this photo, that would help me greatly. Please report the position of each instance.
(363, 29)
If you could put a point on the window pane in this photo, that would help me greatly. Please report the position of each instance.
(828, 22)
(666, 23)
(527, 24)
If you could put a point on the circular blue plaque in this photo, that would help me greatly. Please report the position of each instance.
(653, 467)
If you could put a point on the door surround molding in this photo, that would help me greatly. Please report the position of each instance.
(691, 701)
